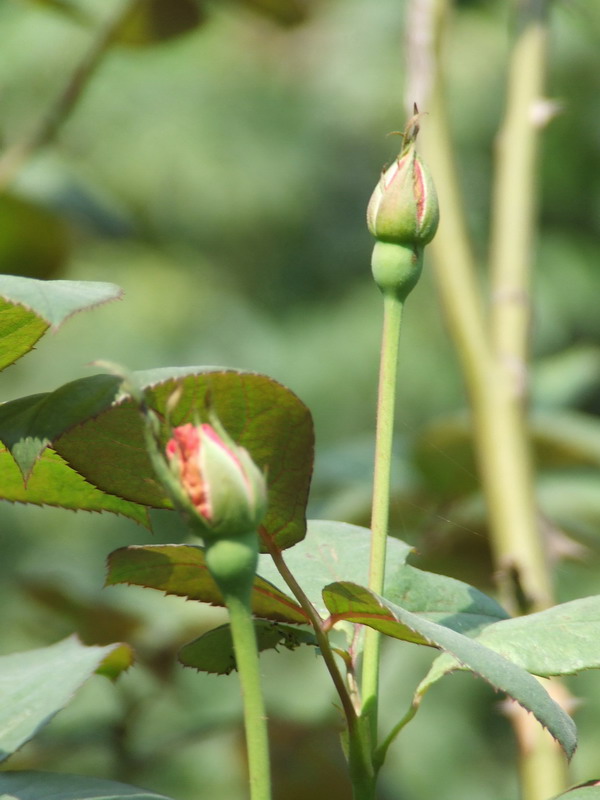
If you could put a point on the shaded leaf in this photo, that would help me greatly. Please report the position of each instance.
(155, 21)
(30, 424)
(34, 241)
(213, 651)
(347, 601)
(331, 551)
(36, 684)
(181, 570)
(258, 413)
(29, 785)
(441, 599)
(54, 483)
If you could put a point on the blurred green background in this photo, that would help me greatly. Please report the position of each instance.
(217, 167)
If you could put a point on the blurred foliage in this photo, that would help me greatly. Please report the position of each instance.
(220, 174)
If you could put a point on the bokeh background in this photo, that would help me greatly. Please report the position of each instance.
(217, 167)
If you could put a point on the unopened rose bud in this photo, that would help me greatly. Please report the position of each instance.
(403, 215)
(219, 478)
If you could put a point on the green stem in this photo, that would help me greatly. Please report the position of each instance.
(255, 719)
(232, 564)
(518, 545)
(392, 317)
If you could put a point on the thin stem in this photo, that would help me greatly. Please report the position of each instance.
(392, 318)
(14, 158)
(255, 718)
(381, 752)
(321, 636)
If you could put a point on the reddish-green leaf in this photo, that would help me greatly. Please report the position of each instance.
(258, 413)
(213, 652)
(181, 570)
(102, 438)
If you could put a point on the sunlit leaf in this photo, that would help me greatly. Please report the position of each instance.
(29, 785)
(36, 684)
(55, 301)
(213, 652)
(54, 483)
(347, 601)
(28, 307)
(181, 570)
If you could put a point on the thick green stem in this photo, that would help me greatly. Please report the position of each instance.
(518, 545)
(392, 317)
(232, 563)
(494, 357)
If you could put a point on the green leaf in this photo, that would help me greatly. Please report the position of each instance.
(561, 640)
(20, 329)
(29, 785)
(30, 424)
(181, 570)
(347, 601)
(258, 413)
(28, 307)
(331, 551)
(55, 301)
(589, 791)
(35, 685)
(441, 599)
(117, 661)
(213, 652)
(54, 483)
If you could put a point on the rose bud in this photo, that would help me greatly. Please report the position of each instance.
(225, 487)
(403, 215)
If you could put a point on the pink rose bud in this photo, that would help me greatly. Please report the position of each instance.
(222, 483)
(403, 208)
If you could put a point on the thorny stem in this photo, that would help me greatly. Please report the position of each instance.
(14, 158)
